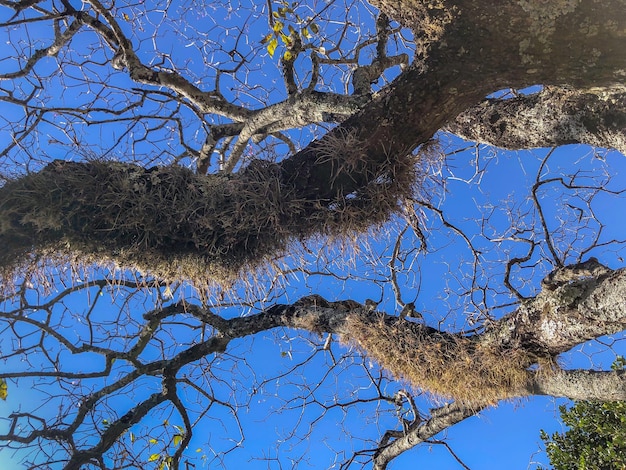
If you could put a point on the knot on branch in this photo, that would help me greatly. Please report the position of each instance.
(590, 269)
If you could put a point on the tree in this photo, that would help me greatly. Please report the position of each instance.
(595, 438)
(221, 159)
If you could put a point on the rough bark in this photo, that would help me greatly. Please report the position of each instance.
(465, 50)
(552, 117)
(584, 302)
(440, 420)
(581, 297)
(576, 303)
(471, 49)
(580, 385)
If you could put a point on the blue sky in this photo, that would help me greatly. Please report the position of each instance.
(482, 193)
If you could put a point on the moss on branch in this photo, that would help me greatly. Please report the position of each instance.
(175, 224)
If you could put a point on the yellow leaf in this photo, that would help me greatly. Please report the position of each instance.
(132, 437)
(177, 439)
(278, 26)
(167, 293)
(154, 457)
(126, 17)
(286, 39)
(305, 33)
(4, 389)
(152, 441)
(271, 47)
(287, 56)
(266, 38)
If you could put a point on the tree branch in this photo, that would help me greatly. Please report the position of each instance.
(579, 385)
(442, 418)
(552, 117)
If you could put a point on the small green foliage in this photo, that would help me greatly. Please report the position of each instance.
(619, 364)
(596, 438)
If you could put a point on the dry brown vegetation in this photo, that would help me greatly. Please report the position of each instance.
(448, 366)
(175, 224)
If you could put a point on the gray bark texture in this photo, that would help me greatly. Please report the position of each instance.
(318, 190)
(552, 117)
(576, 303)
(465, 50)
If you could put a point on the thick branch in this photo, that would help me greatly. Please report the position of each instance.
(579, 303)
(442, 419)
(553, 117)
(301, 109)
(580, 385)
(346, 182)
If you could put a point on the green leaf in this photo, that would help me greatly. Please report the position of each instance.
(314, 28)
(596, 438)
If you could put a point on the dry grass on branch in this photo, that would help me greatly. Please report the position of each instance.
(178, 225)
(444, 365)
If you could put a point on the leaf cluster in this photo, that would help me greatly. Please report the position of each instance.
(286, 33)
(595, 440)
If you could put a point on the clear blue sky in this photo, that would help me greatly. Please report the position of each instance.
(481, 192)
